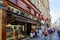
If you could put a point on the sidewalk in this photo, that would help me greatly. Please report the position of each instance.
(26, 38)
(39, 38)
(54, 37)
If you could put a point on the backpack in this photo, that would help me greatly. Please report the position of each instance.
(50, 31)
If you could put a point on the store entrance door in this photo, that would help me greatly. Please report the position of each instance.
(15, 29)
(28, 29)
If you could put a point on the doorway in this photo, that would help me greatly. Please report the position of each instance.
(28, 29)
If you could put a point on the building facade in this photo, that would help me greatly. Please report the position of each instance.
(19, 17)
(56, 24)
(43, 6)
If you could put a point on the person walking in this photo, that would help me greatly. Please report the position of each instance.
(36, 33)
(32, 33)
(40, 32)
(50, 33)
(58, 31)
(45, 32)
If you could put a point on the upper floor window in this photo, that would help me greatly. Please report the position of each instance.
(22, 13)
(14, 1)
(32, 1)
(13, 9)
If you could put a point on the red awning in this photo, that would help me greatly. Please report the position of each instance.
(41, 17)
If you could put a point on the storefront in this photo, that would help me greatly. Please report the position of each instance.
(43, 22)
(18, 23)
(17, 20)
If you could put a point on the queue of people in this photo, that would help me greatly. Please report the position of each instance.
(36, 33)
(40, 32)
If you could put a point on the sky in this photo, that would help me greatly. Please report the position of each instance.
(54, 10)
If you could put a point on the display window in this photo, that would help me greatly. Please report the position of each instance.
(35, 18)
(14, 32)
(14, 29)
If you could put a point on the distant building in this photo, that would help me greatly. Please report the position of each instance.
(56, 24)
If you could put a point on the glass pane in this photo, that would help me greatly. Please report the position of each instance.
(9, 32)
(22, 14)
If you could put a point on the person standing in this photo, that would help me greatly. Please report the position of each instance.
(58, 32)
(40, 33)
(50, 33)
(32, 33)
(45, 32)
(36, 33)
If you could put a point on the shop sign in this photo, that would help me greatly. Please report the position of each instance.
(22, 5)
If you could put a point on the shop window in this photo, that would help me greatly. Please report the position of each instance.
(9, 32)
(27, 15)
(22, 14)
(19, 12)
(11, 8)
(35, 18)
(8, 8)
(38, 19)
(16, 11)
(31, 17)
